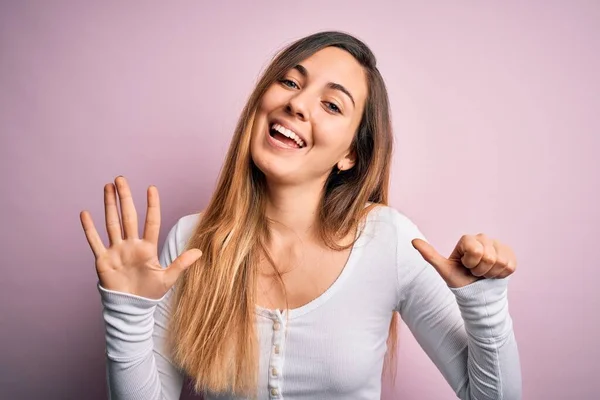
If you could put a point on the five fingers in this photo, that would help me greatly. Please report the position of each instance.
(128, 229)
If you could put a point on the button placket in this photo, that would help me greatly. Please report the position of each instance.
(276, 359)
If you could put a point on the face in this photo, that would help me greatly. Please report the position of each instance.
(306, 121)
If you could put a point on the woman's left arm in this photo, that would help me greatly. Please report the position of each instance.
(459, 317)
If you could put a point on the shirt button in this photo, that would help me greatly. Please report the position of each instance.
(276, 326)
(274, 371)
(274, 392)
(276, 349)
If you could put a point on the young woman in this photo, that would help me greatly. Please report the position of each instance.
(289, 285)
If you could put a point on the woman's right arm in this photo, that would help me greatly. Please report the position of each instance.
(138, 364)
(136, 292)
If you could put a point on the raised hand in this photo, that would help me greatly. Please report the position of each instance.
(130, 264)
(474, 257)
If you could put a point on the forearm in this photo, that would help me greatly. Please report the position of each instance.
(493, 366)
(132, 367)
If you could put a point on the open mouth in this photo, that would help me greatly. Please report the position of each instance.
(286, 137)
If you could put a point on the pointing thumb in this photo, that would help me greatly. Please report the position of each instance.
(439, 262)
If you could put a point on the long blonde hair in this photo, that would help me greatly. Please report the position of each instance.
(213, 334)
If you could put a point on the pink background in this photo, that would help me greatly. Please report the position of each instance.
(496, 111)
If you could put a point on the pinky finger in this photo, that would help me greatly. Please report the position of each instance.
(504, 274)
(91, 234)
(507, 271)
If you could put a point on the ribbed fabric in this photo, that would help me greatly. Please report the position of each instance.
(333, 347)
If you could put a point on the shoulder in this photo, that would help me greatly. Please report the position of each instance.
(178, 236)
(185, 226)
(390, 217)
(396, 229)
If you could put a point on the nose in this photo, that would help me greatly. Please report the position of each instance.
(299, 106)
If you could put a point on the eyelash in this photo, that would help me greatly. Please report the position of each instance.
(293, 85)
(333, 108)
(289, 83)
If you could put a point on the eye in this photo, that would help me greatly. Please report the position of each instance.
(332, 107)
(289, 83)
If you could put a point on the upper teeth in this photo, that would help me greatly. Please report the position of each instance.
(286, 132)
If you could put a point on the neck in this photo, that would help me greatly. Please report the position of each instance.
(294, 209)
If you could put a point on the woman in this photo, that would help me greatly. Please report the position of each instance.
(290, 283)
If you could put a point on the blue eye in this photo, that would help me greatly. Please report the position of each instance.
(333, 108)
(289, 83)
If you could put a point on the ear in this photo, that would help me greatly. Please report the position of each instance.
(348, 161)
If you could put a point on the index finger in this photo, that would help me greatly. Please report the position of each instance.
(471, 251)
(152, 224)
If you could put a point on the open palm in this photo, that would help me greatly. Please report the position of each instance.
(130, 263)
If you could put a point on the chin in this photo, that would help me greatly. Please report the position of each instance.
(275, 170)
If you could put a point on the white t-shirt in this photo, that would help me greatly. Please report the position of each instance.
(333, 347)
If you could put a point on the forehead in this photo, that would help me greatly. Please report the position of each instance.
(335, 65)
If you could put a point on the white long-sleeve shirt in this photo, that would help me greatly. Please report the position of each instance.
(333, 347)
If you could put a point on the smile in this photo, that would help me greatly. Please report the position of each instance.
(285, 137)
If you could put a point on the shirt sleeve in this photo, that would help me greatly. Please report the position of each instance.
(467, 332)
(138, 361)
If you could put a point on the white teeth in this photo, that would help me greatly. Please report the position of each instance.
(288, 133)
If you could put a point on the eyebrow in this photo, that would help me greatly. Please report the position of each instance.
(331, 85)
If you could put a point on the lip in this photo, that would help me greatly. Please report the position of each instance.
(289, 126)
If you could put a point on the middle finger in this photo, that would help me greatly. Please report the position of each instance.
(128, 213)
(113, 223)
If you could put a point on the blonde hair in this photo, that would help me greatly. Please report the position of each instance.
(212, 333)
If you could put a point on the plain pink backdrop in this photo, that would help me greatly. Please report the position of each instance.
(496, 109)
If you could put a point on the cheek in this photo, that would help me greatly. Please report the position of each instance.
(334, 134)
(272, 99)
(266, 105)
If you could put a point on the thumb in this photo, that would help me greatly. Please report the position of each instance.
(180, 264)
(439, 262)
